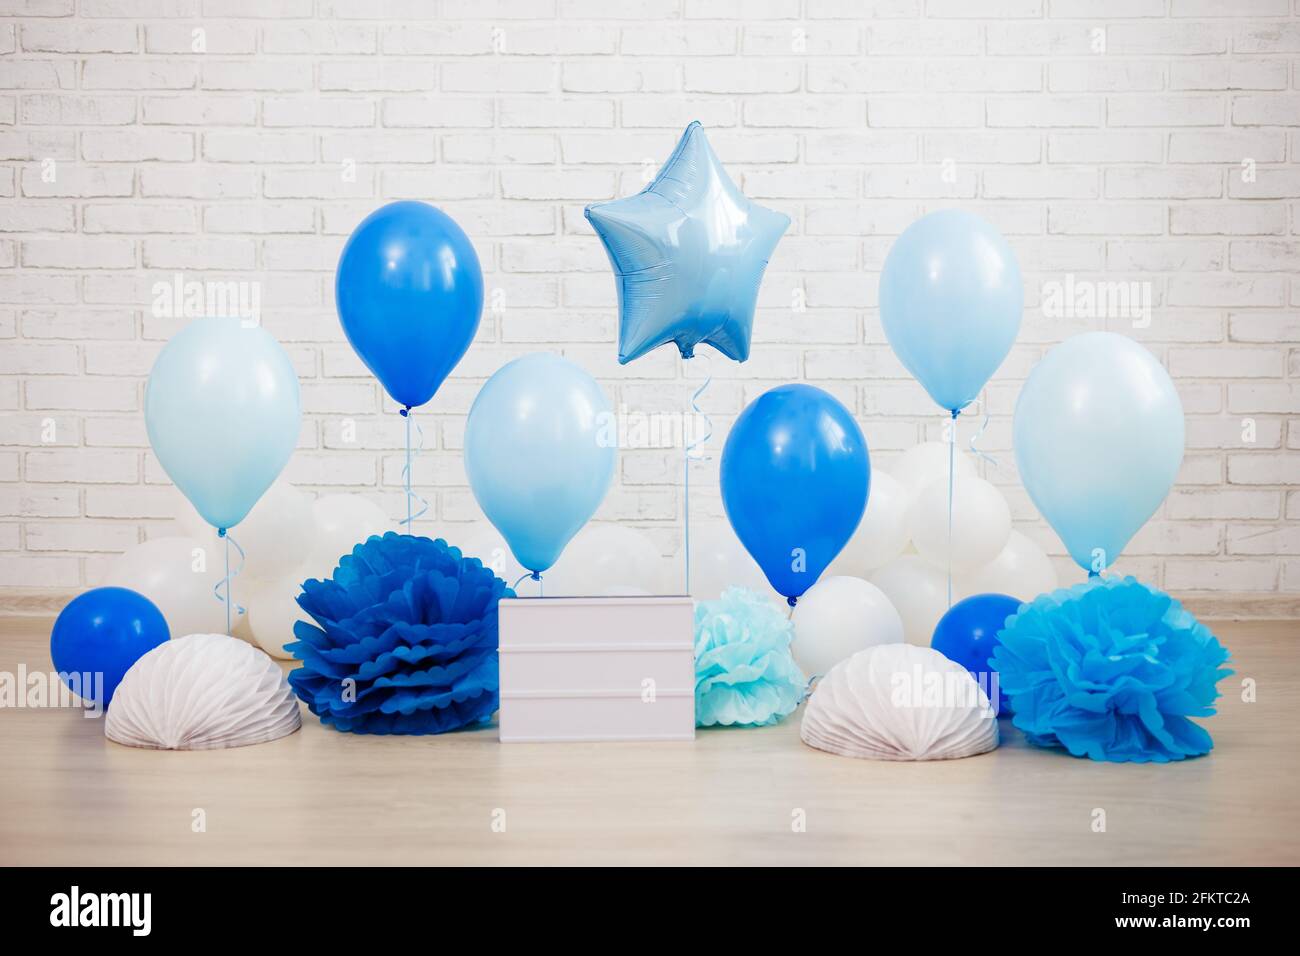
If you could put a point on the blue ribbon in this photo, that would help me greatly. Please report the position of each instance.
(982, 405)
(221, 590)
(689, 456)
(535, 575)
(409, 520)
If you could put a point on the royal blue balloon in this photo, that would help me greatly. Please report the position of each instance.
(795, 476)
(409, 292)
(688, 254)
(104, 631)
(951, 298)
(968, 633)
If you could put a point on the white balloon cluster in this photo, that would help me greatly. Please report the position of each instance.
(608, 560)
(902, 549)
(601, 560)
(286, 538)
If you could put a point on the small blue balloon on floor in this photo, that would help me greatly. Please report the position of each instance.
(968, 633)
(104, 631)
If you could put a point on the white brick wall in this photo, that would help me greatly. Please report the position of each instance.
(1150, 141)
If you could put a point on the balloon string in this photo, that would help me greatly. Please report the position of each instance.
(982, 404)
(952, 462)
(536, 576)
(689, 455)
(221, 590)
(409, 521)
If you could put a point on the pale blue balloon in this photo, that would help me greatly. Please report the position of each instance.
(688, 254)
(539, 454)
(223, 414)
(1098, 434)
(951, 298)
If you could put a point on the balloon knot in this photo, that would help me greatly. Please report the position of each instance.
(405, 411)
(791, 601)
(688, 351)
(221, 532)
(535, 575)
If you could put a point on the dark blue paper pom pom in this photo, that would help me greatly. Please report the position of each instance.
(405, 640)
(1111, 669)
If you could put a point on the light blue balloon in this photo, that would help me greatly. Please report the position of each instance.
(1098, 434)
(223, 413)
(688, 253)
(539, 454)
(950, 301)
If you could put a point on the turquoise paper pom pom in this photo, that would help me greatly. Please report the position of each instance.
(1111, 669)
(744, 671)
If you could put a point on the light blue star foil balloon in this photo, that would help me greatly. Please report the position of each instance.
(688, 252)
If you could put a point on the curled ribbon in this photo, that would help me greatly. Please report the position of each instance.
(699, 413)
(690, 455)
(981, 405)
(221, 590)
(535, 575)
(409, 520)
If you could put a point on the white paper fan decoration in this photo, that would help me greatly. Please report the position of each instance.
(202, 692)
(899, 702)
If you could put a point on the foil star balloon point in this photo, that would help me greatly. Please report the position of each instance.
(688, 254)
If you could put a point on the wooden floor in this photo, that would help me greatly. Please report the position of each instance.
(68, 796)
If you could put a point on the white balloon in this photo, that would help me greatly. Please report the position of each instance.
(486, 543)
(719, 561)
(839, 616)
(981, 523)
(882, 533)
(1021, 570)
(919, 592)
(604, 558)
(178, 575)
(278, 534)
(927, 461)
(342, 522)
(272, 611)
